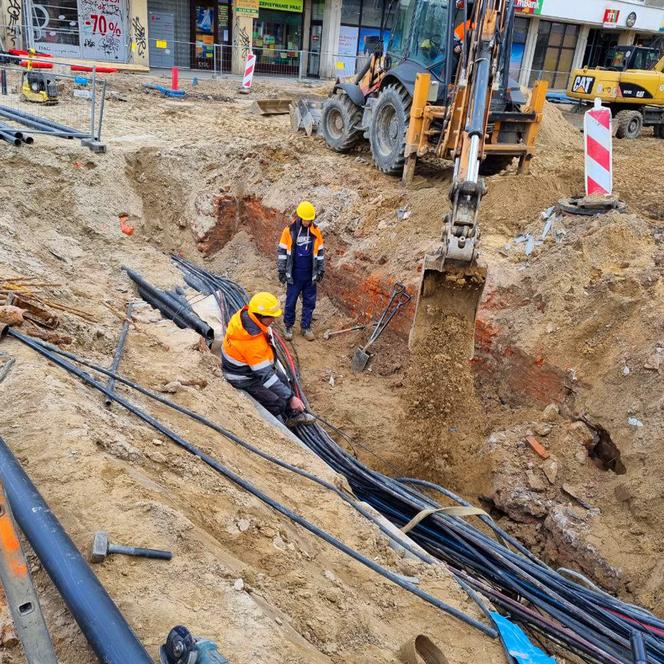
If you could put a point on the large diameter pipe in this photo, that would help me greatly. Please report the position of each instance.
(170, 307)
(44, 121)
(5, 136)
(40, 126)
(99, 618)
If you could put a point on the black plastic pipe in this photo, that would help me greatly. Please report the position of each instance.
(100, 620)
(255, 491)
(170, 307)
(119, 349)
(44, 121)
(39, 126)
(5, 136)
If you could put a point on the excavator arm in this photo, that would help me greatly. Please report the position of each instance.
(452, 278)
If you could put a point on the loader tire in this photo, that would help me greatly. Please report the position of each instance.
(659, 131)
(494, 164)
(339, 120)
(630, 124)
(389, 125)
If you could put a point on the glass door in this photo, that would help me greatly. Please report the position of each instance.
(204, 29)
(316, 34)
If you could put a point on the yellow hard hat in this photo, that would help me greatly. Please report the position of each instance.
(306, 211)
(265, 304)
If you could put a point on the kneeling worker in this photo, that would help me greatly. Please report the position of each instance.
(249, 360)
(301, 265)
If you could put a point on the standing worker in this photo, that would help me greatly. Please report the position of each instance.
(301, 265)
(249, 360)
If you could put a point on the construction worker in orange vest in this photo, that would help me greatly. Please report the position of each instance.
(249, 363)
(301, 265)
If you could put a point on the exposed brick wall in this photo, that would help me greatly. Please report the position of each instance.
(360, 289)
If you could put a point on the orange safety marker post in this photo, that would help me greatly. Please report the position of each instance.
(20, 592)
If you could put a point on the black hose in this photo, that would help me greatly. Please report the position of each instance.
(100, 620)
(250, 488)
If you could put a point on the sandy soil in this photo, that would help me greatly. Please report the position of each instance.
(589, 303)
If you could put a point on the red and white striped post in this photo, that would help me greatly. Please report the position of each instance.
(248, 73)
(599, 150)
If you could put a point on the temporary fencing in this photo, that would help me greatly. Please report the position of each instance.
(73, 107)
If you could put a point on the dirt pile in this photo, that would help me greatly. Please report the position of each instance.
(262, 588)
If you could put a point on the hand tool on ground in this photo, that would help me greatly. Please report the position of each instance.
(101, 548)
(20, 592)
(398, 299)
(183, 648)
(328, 334)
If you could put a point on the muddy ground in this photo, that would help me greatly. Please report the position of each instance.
(573, 330)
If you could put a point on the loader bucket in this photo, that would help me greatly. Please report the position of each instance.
(451, 290)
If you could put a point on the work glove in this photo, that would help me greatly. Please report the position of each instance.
(296, 404)
(282, 277)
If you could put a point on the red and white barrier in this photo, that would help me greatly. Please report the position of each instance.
(599, 150)
(248, 72)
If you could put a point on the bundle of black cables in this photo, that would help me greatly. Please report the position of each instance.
(578, 616)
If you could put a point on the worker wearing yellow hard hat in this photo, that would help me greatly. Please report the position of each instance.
(248, 360)
(301, 266)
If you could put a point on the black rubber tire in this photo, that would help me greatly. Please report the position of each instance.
(630, 124)
(389, 125)
(659, 131)
(339, 119)
(495, 163)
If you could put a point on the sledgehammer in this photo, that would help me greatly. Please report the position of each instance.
(101, 548)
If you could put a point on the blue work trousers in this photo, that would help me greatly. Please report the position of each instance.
(303, 284)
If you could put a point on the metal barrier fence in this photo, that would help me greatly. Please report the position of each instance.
(42, 95)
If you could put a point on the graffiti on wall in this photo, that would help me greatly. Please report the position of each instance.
(242, 41)
(14, 24)
(139, 36)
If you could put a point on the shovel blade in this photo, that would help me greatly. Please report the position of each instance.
(360, 360)
(455, 290)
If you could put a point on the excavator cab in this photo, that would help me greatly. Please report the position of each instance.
(622, 58)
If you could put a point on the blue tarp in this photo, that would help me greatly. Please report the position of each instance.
(518, 644)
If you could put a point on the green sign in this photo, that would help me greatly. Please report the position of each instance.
(283, 5)
(528, 6)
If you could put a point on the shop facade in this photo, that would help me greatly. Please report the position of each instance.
(105, 31)
(565, 34)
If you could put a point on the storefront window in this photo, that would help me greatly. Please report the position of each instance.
(372, 13)
(519, 37)
(554, 53)
(277, 38)
(317, 10)
(350, 12)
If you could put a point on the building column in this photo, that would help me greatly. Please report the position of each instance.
(11, 18)
(306, 30)
(139, 53)
(581, 46)
(243, 30)
(529, 52)
(330, 38)
(626, 38)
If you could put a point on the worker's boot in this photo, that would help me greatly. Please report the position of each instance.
(308, 334)
(288, 334)
(300, 418)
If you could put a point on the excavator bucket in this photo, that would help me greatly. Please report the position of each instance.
(449, 295)
(305, 114)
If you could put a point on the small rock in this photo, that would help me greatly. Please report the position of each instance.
(634, 422)
(534, 482)
(8, 637)
(157, 442)
(243, 524)
(543, 429)
(581, 456)
(626, 371)
(157, 457)
(550, 468)
(653, 363)
(329, 575)
(279, 543)
(551, 412)
(172, 387)
(623, 493)
(238, 585)
(278, 620)
(583, 434)
(10, 315)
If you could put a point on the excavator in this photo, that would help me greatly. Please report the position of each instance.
(442, 87)
(631, 84)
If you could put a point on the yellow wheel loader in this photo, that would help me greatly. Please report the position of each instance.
(631, 85)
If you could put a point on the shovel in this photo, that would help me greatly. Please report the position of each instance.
(398, 299)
